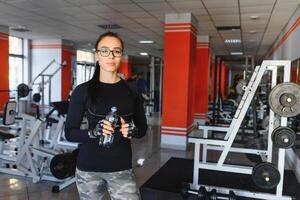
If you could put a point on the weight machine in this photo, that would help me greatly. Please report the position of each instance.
(46, 79)
(35, 159)
(284, 101)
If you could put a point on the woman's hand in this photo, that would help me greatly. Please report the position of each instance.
(107, 128)
(128, 130)
(103, 127)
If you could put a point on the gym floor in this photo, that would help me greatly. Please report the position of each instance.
(20, 188)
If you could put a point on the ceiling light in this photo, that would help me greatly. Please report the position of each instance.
(254, 17)
(20, 28)
(146, 41)
(228, 28)
(236, 53)
(252, 31)
(232, 41)
(109, 26)
(144, 54)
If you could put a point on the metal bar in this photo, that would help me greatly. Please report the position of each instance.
(42, 86)
(219, 96)
(49, 92)
(271, 117)
(196, 167)
(53, 61)
(209, 141)
(213, 128)
(238, 150)
(15, 172)
(204, 147)
(240, 114)
(226, 168)
(66, 183)
(281, 156)
(215, 90)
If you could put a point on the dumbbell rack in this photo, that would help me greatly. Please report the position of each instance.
(225, 145)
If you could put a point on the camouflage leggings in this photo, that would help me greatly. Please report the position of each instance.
(120, 185)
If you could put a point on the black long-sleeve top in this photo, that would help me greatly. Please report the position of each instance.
(129, 103)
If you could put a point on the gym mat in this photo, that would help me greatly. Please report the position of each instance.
(167, 181)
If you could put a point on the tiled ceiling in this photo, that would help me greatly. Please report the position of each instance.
(78, 20)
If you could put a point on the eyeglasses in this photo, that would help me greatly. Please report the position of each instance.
(116, 52)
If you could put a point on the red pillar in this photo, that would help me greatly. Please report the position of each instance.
(202, 77)
(4, 75)
(178, 80)
(214, 79)
(294, 77)
(224, 80)
(125, 67)
(66, 75)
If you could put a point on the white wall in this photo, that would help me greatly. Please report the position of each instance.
(40, 58)
(290, 49)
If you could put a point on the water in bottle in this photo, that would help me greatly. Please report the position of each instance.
(112, 117)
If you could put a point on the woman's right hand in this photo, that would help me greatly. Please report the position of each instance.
(103, 127)
(107, 128)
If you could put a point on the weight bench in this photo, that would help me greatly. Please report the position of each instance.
(6, 134)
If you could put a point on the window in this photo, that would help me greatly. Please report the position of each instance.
(16, 69)
(85, 67)
(85, 56)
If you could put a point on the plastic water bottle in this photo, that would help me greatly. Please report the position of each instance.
(112, 117)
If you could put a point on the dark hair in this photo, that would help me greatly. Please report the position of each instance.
(93, 83)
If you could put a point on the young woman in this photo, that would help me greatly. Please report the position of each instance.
(101, 168)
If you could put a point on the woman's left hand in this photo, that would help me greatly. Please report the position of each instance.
(127, 129)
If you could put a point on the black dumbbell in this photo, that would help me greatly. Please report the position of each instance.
(202, 193)
(214, 195)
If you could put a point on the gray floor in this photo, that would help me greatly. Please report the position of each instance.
(20, 188)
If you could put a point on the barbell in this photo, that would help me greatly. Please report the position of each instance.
(23, 91)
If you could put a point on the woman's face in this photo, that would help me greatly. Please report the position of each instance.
(109, 53)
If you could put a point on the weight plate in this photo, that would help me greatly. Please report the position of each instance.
(36, 97)
(202, 193)
(23, 90)
(240, 87)
(284, 99)
(213, 194)
(231, 195)
(265, 175)
(63, 165)
(283, 137)
(184, 190)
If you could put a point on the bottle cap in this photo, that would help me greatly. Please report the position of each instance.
(113, 109)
